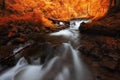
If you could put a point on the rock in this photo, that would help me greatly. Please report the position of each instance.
(38, 51)
(101, 53)
(107, 26)
(118, 66)
(115, 56)
(109, 63)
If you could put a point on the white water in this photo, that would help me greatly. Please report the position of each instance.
(75, 24)
(64, 75)
(69, 66)
(34, 72)
(9, 75)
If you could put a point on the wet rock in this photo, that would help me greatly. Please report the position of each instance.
(108, 26)
(109, 63)
(38, 51)
(102, 55)
(115, 56)
(87, 46)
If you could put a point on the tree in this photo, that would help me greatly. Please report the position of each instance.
(2, 4)
(117, 3)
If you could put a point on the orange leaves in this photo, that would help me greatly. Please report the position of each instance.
(67, 9)
(38, 11)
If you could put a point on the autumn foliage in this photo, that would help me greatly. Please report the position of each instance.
(40, 11)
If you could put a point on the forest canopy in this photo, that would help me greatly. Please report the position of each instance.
(40, 11)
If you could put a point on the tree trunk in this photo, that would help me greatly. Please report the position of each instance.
(117, 3)
(2, 4)
(110, 5)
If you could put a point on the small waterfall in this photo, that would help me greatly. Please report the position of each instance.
(81, 72)
(64, 75)
(77, 64)
(9, 74)
(34, 72)
(75, 24)
(65, 65)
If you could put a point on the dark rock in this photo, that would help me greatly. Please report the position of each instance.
(119, 67)
(109, 63)
(42, 51)
(115, 56)
(108, 26)
(101, 53)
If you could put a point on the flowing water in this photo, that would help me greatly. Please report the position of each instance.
(65, 65)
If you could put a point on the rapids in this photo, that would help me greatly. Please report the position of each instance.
(65, 65)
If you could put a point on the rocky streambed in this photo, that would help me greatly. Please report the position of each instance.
(100, 52)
